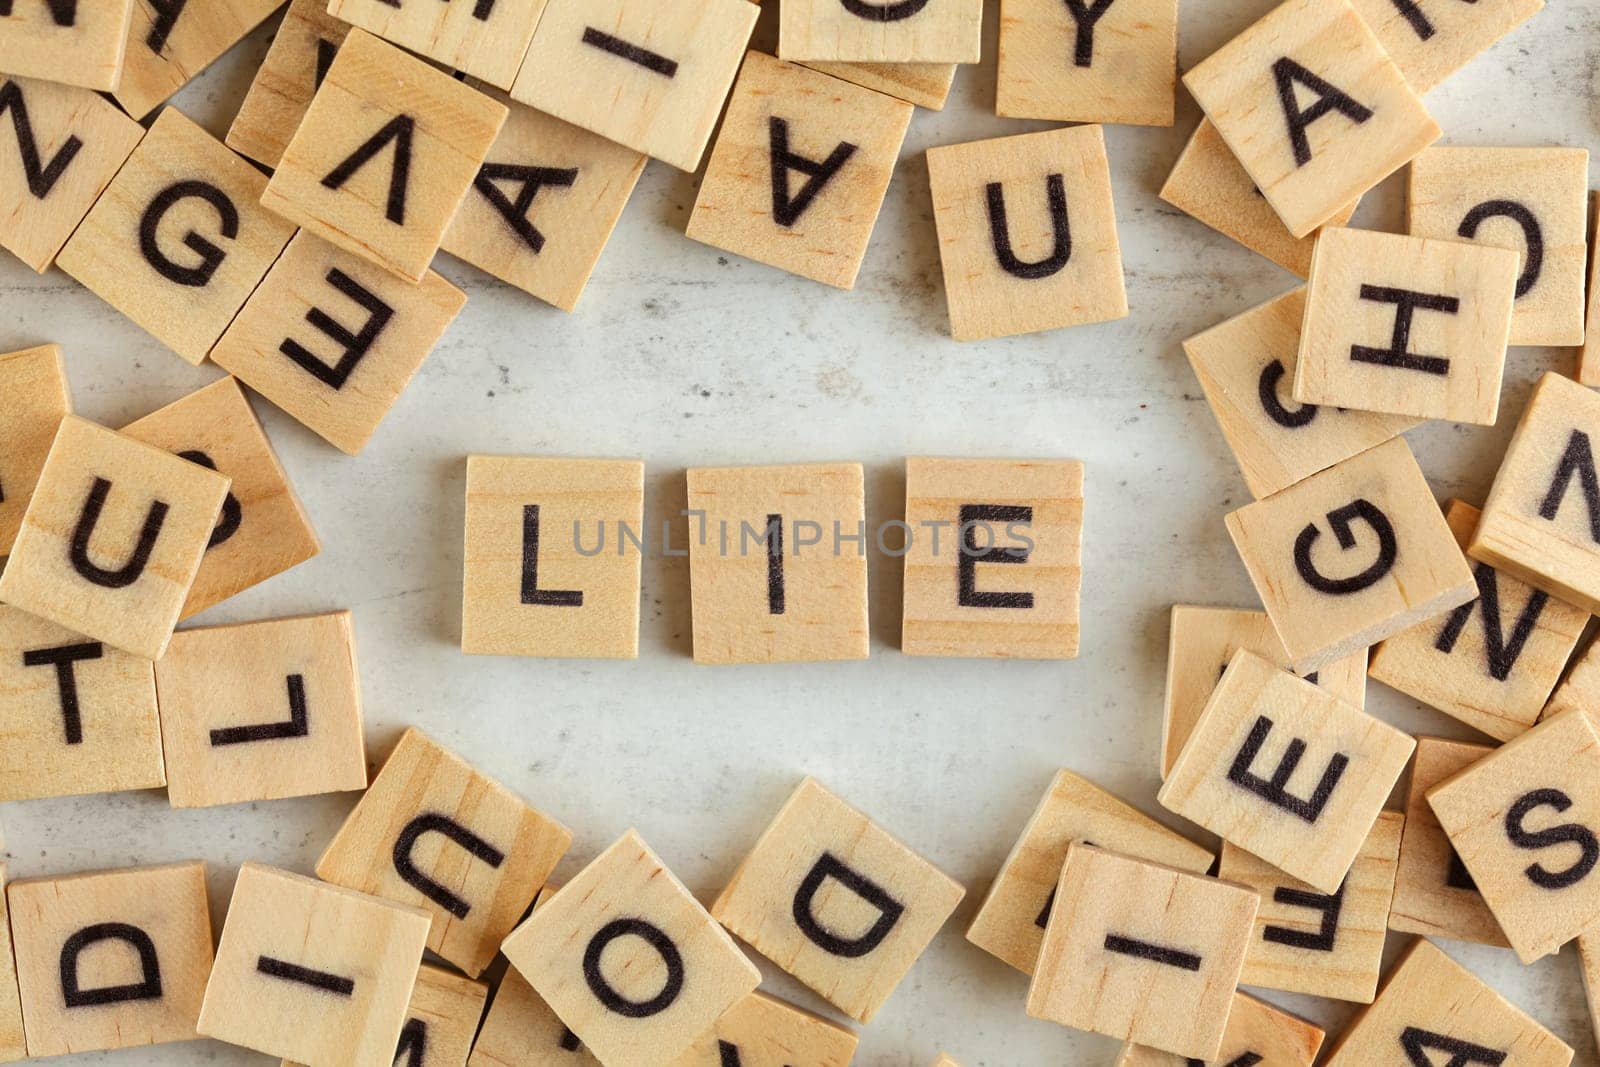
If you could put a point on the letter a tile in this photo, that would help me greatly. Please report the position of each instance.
(762, 1030)
(1111, 61)
(803, 895)
(80, 42)
(435, 833)
(629, 960)
(34, 382)
(1141, 952)
(1027, 233)
(302, 50)
(1258, 1034)
(112, 538)
(799, 170)
(1286, 771)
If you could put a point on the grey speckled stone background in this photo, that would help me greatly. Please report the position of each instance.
(685, 356)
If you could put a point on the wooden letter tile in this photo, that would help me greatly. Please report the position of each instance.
(435, 833)
(768, 581)
(1433, 1010)
(47, 186)
(1011, 921)
(262, 710)
(648, 75)
(169, 44)
(1321, 944)
(1313, 108)
(1201, 642)
(923, 84)
(522, 1031)
(13, 1043)
(441, 1020)
(384, 156)
(1430, 40)
(1541, 522)
(629, 960)
(311, 972)
(1257, 1035)
(1406, 325)
(78, 717)
(1246, 366)
(178, 240)
(1351, 555)
(958, 600)
(1589, 354)
(484, 40)
(762, 1030)
(1534, 201)
(940, 31)
(549, 570)
(79, 44)
(1141, 952)
(836, 901)
(1490, 663)
(1523, 820)
(1113, 63)
(112, 959)
(1286, 771)
(1027, 233)
(112, 538)
(263, 530)
(333, 340)
(1208, 183)
(799, 170)
(1433, 892)
(301, 52)
(543, 205)
(34, 382)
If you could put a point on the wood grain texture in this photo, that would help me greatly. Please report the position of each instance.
(34, 381)
(289, 76)
(88, 52)
(939, 31)
(483, 41)
(765, 1030)
(1257, 1034)
(170, 44)
(1128, 73)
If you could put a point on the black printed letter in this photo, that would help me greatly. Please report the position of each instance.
(651, 935)
(41, 177)
(293, 972)
(1577, 459)
(1565, 834)
(63, 12)
(1275, 791)
(413, 1040)
(776, 595)
(211, 256)
(398, 130)
(1340, 521)
(147, 988)
(1267, 389)
(1055, 191)
(432, 823)
(232, 514)
(1532, 235)
(968, 595)
(531, 180)
(786, 210)
(1329, 99)
(62, 657)
(296, 725)
(1501, 654)
(1144, 950)
(889, 910)
(166, 12)
(1416, 1044)
(356, 345)
(616, 46)
(1406, 304)
(89, 518)
(1323, 939)
(903, 9)
(531, 593)
(1086, 16)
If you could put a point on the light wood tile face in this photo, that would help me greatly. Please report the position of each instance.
(83, 44)
(486, 40)
(923, 84)
(37, 398)
(921, 31)
(169, 44)
(1430, 40)
(1112, 63)
(302, 50)
(521, 1029)
(1257, 1035)
(441, 1020)
(762, 1030)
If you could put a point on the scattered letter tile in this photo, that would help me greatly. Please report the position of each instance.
(763, 1030)
(302, 50)
(79, 43)
(520, 1029)
(1257, 1034)
(1113, 62)
(904, 31)
(1432, 39)
(483, 38)
(34, 383)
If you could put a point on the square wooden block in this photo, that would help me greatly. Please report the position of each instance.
(1208, 183)
(1541, 522)
(79, 717)
(111, 959)
(1433, 892)
(441, 1020)
(112, 538)
(1257, 1033)
(1492, 662)
(521, 1029)
(799, 170)
(543, 205)
(79, 44)
(767, 581)
(1512, 817)
(762, 1029)
(311, 972)
(836, 901)
(261, 711)
(1433, 1010)
(435, 833)
(302, 50)
(384, 156)
(333, 340)
(1589, 354)
(651, 76)
(1141, 952)
(178, 241)
(1113, 63)
(629, 960)
(34, 381)
(1313, 108)
(1246, 366)
(484, 40)
(1241, 774)
(1390, 563)
(13, 1042)
(1321, 944)
(1027, 233)
(170, 44)
(1200, 643)
(923, 84)
(548, 570)
(263, 530)
(1406, 325)
(64, 144)
(1011, 921)
(940, 31)
(959, 599)
(1534, 201)
(1430, 41)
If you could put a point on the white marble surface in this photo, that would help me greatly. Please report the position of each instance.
(685, 356)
